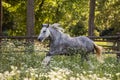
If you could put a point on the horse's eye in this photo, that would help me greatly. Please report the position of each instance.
(44, 31)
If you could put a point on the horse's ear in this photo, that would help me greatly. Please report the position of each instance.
(47, 25)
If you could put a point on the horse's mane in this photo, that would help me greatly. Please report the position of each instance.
(57, 27)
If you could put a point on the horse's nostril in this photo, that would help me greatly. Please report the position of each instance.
(40, 39)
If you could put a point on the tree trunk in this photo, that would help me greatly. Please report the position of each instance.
(30, 26)
(91, 18)
(0, 17)
(30, 19)
(0, 24)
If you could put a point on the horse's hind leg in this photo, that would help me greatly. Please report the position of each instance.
(85, 56)
(91, 65)
(89, 61)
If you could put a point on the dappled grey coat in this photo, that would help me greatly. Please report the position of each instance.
(63, 44)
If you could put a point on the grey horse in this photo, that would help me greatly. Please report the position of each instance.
(63, 44)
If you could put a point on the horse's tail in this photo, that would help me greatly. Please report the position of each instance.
(99, 52)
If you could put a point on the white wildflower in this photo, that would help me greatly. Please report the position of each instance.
(72, 78)
(117, 74)
(27, 79)
(6, 73)
(84, 72)
(12, 73)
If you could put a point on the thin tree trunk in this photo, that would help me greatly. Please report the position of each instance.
(30, 26)
(30, 18)
(0, 24)
(91, 18)
(0, 17)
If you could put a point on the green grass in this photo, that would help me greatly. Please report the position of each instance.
(27, 66)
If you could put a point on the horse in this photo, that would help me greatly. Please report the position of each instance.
(63, 44)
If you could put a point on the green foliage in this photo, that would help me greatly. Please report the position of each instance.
(14, 20)
(66, 12)
(78, 29)
(107, 16)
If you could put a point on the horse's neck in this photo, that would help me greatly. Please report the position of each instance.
(55, 36)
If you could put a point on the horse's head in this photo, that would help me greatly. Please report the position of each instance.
(44, 32)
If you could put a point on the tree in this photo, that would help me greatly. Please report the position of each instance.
(91, 18)
(30, 25)
(30, 19)
(66, 12)
(0, 17)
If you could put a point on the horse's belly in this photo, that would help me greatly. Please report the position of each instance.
(71, 51)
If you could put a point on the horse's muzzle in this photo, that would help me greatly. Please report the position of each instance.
(40, 39)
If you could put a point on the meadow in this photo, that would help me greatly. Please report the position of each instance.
(18, 65)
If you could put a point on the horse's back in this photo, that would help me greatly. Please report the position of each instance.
(80, 42)
(86, 43)
(84, 39)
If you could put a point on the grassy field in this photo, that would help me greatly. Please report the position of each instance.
(27, 66)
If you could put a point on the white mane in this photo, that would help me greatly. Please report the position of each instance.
(57, 26)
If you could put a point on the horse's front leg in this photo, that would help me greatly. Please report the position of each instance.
(49, 55)
(47, 59)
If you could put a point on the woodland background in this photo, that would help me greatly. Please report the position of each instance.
(21, 59)
(73, 15)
